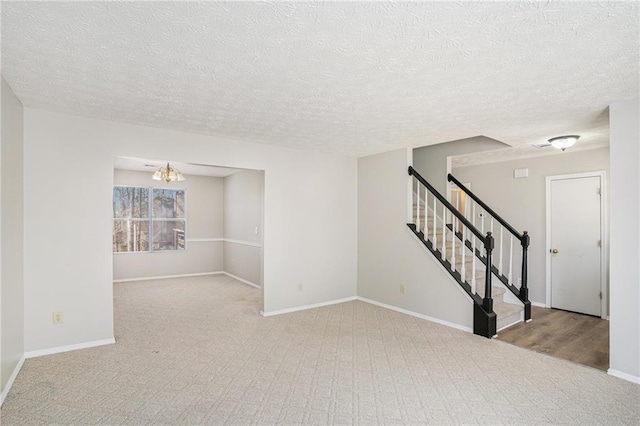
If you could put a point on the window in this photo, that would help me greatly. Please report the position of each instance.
(168, 219)
(140, 224)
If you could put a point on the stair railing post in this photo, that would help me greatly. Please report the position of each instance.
(487, 302)
(524, 290)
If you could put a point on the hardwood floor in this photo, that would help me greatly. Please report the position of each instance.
(579, 338)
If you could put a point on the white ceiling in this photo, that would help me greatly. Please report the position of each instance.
(143, 165)
(348, 78)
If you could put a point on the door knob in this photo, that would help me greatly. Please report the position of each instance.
(554, 251)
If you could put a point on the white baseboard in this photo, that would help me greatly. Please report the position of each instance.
(538, 304)
(305, 307)
(16, 370)
(624, 376)
(162, 277)
(59, 349)
(373, 302)
(242, 280)
(417, 315)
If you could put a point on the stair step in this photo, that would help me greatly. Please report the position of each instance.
(496, 291)
(468, 263)
(430, 232)
(507, 308)
(507, 314)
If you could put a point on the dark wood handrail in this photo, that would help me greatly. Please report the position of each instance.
(448, 205)
(486, 208)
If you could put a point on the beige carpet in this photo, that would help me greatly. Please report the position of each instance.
(196, 351)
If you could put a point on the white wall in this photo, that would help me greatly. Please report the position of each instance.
(11, 278)
(432, 161)
(624, 327)
(243, 201)
(522, 202)
(310, 219)
(388, 254)
(204, 225)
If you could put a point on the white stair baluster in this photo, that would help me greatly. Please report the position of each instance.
(453, 242)
(491, 229)
(511, 260)
(417, 221)
(417, 206)
(444, 231)
(482, 222)
(435, 216)
(463, 266)
(473, 263)
(500, 260)
(465, 232)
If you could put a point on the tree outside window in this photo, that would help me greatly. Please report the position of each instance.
(141, 226)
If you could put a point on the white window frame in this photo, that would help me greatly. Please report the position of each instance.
(150, 220)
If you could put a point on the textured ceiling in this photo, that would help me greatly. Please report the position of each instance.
(348, 78)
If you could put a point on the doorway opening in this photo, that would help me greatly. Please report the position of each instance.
(217, 214)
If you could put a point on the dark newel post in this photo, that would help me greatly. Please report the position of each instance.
(487, 302)
(524, 290)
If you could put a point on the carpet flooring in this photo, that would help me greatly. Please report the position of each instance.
(196, 351)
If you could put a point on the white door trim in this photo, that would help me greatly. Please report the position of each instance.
(604, 235)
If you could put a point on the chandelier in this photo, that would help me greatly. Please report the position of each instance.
(168, 174)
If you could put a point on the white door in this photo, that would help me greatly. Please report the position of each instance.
(575, 246)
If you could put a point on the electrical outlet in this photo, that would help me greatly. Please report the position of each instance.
(299, 287)
(403, 288)
(58, 318)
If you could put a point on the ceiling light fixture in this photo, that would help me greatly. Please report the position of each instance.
(564, 142)
(168, 174)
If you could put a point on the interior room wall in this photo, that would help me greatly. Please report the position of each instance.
(310, 219)
(432, 162)
(243, 201)
(624, 327)
(389, 255)
(522, 202)
(11, 238)
(204, 230)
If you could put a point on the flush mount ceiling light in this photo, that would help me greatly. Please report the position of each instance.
(168, 174)
(564, 142)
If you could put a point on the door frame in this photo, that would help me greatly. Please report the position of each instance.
(604, 235)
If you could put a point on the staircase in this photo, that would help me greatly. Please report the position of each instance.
(500, 299)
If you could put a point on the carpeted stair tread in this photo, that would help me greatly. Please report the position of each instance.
(496, 291)
(505, 309)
